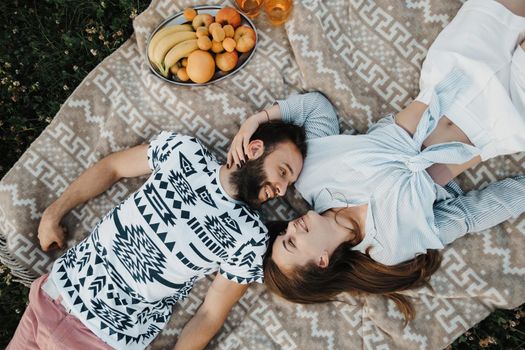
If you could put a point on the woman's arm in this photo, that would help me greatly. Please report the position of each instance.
(479, 210)
(312, 111)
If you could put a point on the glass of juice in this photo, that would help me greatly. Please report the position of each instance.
(278, 11)
(250, 7)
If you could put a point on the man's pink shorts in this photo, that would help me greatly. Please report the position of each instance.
(47, 325)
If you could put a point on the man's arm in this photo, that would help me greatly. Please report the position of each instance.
(95, 180)
(210, 316)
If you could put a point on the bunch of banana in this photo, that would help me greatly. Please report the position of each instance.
(170, 44)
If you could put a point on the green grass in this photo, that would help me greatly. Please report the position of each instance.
(46, 48)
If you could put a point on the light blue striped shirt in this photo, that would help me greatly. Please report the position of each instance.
(385, 169)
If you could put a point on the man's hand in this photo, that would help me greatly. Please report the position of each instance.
(92, 182)
(221, 297)
(50, 233)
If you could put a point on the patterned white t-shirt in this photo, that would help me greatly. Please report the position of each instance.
(145, 255)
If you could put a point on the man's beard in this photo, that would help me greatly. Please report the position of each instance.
(248, 180)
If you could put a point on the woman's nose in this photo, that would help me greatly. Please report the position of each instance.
(289, 228)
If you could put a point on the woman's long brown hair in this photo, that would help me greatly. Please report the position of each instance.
(348, 271)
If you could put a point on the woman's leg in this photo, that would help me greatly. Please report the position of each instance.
(517, 75)
(446, 132)
(517, 79)
(485, 33)
(515, 6)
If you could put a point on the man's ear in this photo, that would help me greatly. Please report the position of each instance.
(255, 149)
(324, 259)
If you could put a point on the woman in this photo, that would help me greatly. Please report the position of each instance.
(380, 194)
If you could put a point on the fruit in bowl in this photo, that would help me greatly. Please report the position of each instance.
(202, 20)
(226, 61)
(212, 46)
(228, 15)
(245, 38)
(229, 44)
(201, 66)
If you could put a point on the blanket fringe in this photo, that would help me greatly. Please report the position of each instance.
(20, 273)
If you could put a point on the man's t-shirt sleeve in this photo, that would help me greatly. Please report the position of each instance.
(246, 264)
(162, 146)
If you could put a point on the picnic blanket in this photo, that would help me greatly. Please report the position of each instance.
(366, 57)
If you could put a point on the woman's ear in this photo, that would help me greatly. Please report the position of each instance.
(255, 149)
(324, 260)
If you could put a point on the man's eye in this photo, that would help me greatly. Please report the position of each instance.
(283, 172)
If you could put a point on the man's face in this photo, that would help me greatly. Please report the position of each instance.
(268, 176)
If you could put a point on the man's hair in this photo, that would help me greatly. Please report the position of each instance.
(277, 132)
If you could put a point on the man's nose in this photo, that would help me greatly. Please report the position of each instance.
(281, 188)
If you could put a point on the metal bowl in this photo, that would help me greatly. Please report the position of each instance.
(179, 18)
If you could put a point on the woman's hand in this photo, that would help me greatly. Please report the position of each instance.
(50, 233)
(239, 147)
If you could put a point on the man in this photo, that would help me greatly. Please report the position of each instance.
(188, 220)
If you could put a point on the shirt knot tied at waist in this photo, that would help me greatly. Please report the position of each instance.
(443, 153)
(442, 99)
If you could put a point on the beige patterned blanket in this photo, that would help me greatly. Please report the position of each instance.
(364, 55)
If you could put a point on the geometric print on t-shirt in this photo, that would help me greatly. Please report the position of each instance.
(142, 259)
(145, 255)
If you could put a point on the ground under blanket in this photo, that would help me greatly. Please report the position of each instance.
(366, 57)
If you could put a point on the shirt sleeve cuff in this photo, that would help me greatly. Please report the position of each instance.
(286, 111)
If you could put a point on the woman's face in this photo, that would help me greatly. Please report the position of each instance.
(306, 239)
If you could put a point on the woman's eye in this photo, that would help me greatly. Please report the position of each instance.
(291, 243)
(283, 172)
